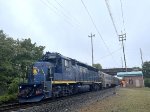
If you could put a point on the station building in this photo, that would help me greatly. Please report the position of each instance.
(132, 79)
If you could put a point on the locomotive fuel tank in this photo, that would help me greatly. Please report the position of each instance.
(83, 88)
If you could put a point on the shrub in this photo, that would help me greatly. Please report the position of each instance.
(11, 95)
(13, 87)
(8, 97)
(147, 82)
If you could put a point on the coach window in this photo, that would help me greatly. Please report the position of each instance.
(66, 63)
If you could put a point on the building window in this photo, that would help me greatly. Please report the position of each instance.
(130, 81)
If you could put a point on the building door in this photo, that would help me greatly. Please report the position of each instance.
(137, 83)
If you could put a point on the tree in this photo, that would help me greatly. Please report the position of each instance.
(15, 57)
(147, 82)
(98, 66)
(7, 48)
(136, 68)
(146, 69)
(146, 73)
(26, 54)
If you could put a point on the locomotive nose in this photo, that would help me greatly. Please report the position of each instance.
(30, 92)
(26, 90)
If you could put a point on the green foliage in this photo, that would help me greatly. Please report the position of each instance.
(146, 69)
(147, 82)
(136, 68)
(146, 73)
(7, 97)
(98, 66)
(13, 87)
(15, 57)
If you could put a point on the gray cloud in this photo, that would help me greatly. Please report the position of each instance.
(65, 29)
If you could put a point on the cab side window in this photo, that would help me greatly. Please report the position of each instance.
(58, 68)
(66, 63)
(73, 62)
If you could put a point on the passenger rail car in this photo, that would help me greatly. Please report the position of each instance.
(55, 75)
(107, 80)
(115, 81)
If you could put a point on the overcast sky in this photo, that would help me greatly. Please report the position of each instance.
(64, 25)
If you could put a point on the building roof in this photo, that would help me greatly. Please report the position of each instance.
(125, 74)
(113, 71)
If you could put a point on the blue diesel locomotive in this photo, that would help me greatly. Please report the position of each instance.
(55, 75)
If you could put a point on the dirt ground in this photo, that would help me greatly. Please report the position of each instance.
(125, 100)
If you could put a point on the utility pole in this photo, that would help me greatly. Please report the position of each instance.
(91, 36)
(141, 56)
(122, 38)
(121, 62)
(142, 64)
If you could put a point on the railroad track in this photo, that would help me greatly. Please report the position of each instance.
(22, 106)
(18, 106)
(8, 107)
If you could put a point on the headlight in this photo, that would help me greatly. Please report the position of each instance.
(20, 87)
(34, 85)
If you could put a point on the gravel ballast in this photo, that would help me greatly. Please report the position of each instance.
(73, 103)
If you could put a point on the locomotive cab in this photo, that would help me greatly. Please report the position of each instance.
(40, 79)
(39, 84)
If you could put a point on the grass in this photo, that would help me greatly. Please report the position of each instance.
(126, 100)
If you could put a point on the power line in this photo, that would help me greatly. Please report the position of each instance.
(51, 9)
(113, 52)
(57, 9)
(65, 15)
(122, 37)
(122, 15)
(108, 7)
(96, 27)
(47, 6)
(67, 11)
